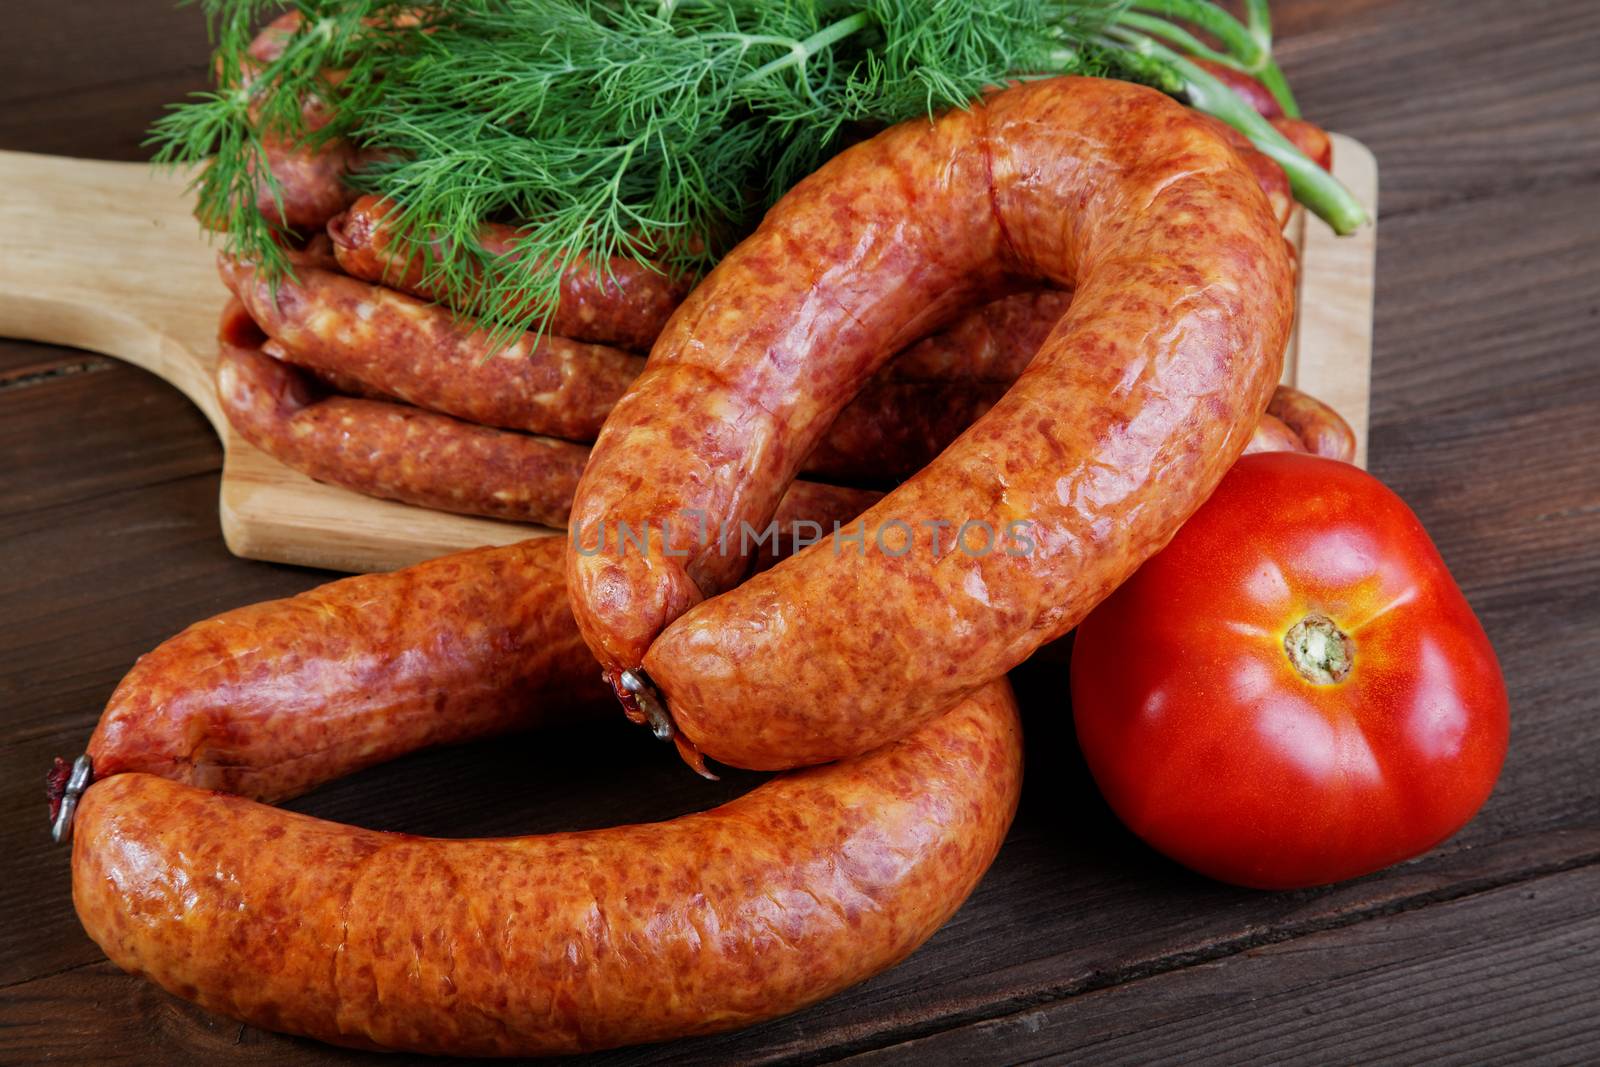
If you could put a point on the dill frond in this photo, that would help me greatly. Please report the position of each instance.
(656, 131)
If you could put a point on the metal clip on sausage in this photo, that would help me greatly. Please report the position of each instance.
(639, 686)
(66, 804)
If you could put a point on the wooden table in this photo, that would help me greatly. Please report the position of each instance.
(1080, 943)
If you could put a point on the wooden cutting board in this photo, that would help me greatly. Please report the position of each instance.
(107, 257)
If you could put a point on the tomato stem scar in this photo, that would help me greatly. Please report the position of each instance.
(1319, 650)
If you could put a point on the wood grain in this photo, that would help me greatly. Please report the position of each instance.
(1433, 986)
(1485, 386)
(108, 258)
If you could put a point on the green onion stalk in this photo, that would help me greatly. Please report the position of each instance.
(657, 130)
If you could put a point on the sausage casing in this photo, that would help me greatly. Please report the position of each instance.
(1273, 436)
(1142, 396)
(1255, 94)
(395, 451)
(425, 356)
(376, 340)
(625, 304)
(1322, 429)
(559, 943)
(273, 699)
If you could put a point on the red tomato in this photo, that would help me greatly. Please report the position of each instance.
(1294, 691)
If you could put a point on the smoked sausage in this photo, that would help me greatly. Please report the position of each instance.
(1139, 400)
(993, 343)
(309, 186)
(1258, 96)
(395, 451)
(1273, 436)
(810, 883)
(358, 334)
(273, 699)
(424, 355)
(1322, 429)
(624, 304)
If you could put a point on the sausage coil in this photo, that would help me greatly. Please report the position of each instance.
(1143, 394)
(557, 943)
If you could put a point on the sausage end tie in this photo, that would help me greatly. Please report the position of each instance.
(64, 787)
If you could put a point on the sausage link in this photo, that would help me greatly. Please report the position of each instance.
(1311, 139)
(310, 177)
(1273, 436)
(338, 383)
(407, 349)
(310, 183)
(270, 41)
(1272, 179)
(625, 304)
(391, 450)
(370, 339)
(1322, 429)
(1255, 94)
(394, 451)
(994, 342)
(810, 883)
(1140, 399)
(273, 699)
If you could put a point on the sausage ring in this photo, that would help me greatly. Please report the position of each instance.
(557, 943)
(1143, 395)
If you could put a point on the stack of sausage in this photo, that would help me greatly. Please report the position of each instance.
(352, 373)
(822, 876)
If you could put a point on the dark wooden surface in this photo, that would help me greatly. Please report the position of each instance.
(1080, 944)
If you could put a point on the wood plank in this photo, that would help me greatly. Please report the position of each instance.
(1508, 976)
(87, 78)
(1459, 99)
(76, 427)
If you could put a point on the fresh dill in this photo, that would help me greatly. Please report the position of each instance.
(655, 130)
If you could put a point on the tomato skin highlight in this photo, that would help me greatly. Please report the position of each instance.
(1211, 744)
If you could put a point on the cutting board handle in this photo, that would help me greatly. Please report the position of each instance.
(107, 257)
